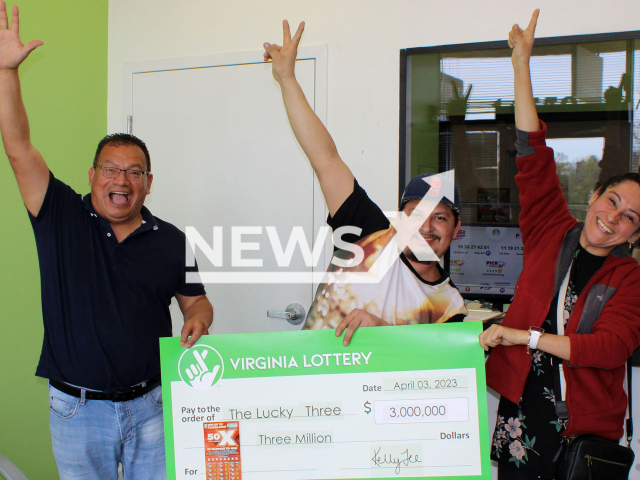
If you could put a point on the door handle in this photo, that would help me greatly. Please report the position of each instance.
(294, 314)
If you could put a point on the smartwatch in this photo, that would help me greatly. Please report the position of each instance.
(534, 335)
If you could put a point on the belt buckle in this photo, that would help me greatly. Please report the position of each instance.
(125, 395)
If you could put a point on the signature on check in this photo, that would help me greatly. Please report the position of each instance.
(404, 459)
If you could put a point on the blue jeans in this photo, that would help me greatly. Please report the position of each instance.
(90, 437)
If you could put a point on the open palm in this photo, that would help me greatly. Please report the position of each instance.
(12, 51)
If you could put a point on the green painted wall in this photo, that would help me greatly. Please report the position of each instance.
(64, 85)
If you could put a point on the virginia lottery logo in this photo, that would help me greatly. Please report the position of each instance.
(201, 367)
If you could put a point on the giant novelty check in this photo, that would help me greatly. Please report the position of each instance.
(408, 401)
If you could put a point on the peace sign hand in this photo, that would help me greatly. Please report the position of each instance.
(284, 57)
(12, 51)
(521, 41)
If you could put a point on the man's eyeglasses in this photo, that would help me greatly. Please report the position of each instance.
(112, 172)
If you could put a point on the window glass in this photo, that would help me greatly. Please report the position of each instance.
(459, 115)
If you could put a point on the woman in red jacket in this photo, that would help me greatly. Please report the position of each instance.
(596, 283)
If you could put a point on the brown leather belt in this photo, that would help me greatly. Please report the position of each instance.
(123, 395)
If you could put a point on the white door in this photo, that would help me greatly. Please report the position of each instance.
(224, 160)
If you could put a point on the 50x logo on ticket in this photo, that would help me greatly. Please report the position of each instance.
(222, 450)
(407, 401)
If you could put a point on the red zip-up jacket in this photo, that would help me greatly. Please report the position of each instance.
(604, 327)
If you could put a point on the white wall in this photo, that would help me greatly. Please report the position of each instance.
(364, 39)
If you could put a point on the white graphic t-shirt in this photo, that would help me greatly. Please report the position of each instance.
(384, 283)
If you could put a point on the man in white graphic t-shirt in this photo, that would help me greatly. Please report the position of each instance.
(398, 280)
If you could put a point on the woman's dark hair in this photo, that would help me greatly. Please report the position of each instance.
(117, 139)
(616, 179)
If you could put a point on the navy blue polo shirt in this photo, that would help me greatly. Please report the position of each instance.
(104, 304)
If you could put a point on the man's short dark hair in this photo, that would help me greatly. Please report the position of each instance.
(117, 139)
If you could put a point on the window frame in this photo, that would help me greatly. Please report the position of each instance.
(403, 166)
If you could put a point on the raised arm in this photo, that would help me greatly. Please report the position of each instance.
(28, 165)
(336, 180)
(521, 41)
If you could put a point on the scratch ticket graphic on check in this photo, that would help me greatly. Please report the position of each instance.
(402, 402)
(222, 450)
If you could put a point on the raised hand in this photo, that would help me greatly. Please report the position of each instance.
(521, 41)
(12, 51)
(284, 57)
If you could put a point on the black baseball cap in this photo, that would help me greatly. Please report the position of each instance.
(418, 188)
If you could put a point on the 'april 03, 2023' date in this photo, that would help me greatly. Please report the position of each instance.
(427, 384)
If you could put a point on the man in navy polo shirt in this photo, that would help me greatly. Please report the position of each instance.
(109, 270)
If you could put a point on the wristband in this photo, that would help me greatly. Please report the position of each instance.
(534, 335)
